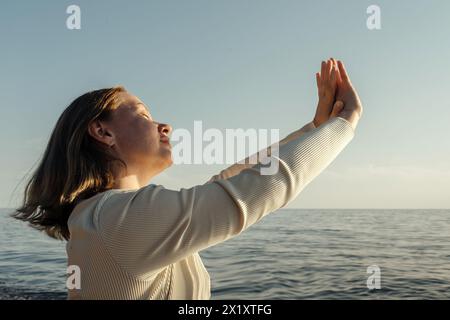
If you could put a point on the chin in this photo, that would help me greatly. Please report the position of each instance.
(169, 162)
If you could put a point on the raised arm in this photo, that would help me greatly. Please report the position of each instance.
(238, 167)
(327, 107)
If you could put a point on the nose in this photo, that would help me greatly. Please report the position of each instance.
(164, 129)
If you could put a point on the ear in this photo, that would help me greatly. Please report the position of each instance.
(100, 132)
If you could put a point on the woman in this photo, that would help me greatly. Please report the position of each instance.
(131, 240)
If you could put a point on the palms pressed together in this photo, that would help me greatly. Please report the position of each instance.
(337, 96)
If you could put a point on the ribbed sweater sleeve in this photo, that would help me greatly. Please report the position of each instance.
(152, 227)
(246, 163)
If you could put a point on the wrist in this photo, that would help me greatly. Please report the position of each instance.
(351, 116)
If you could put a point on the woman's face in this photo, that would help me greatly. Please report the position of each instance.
(139, 140)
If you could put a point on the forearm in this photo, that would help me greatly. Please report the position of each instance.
(300, 161)
(246, 163)
(294, 135)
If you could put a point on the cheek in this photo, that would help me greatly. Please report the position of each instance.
(148, 138)
(137, 138)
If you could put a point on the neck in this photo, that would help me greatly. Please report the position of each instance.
(131, 179)
(130, 182)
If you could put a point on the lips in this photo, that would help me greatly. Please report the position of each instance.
(165, 141)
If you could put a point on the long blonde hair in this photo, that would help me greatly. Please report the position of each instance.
(74, 166)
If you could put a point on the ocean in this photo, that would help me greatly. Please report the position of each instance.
(289, 254)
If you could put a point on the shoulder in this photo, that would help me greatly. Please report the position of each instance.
(82, 215)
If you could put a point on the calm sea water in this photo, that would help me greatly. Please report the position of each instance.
(290, 254)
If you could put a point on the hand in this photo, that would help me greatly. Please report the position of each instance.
(352, 109)
(327, 81)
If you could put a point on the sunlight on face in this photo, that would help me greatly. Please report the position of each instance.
(139, 140)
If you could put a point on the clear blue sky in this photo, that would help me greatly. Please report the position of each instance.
(247, 64)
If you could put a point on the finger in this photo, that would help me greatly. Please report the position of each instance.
(319, 84)
(328, 70)
(333, 60)
(343, 72)
(337, 108)
(337, 74)
(322, 69)
(333, 75)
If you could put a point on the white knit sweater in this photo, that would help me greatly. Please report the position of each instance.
(144, 243)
